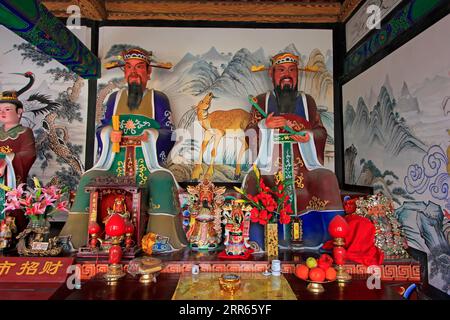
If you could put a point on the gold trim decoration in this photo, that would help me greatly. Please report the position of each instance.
(120, 169)
(317, 204)
(142, 168)
(153, 205)
(299, 181)
(298, 162)
(278, 177)
(5, 149)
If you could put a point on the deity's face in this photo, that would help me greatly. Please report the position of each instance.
(284, 75)
(137, 71)
(9, 114)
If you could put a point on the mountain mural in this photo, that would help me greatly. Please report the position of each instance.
(381, 126)
(406, 102)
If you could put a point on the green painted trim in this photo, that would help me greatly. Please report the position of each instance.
(404, 18)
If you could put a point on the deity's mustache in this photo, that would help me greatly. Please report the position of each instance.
(287, 85)
(135, 94)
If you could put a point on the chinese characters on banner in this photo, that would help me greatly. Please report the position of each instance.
(22, 269)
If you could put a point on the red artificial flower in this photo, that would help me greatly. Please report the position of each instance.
(285, 218)
(289, 208)
(263, 217)
(254, 215)
(263, 186)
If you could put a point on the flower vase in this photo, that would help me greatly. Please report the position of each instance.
(35, 239)
(271, 240)
(40, 226)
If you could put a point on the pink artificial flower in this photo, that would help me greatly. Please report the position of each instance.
(16, 192)
(27, 202)
(35, 209)
(62, 206)
(12, 204)
(51, 191)
(48, 200)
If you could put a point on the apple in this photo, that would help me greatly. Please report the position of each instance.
(325, 261)
(302, 271)
(311, 262)
(317, 274)
(330, 274)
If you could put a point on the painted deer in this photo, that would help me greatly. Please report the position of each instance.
(215, 124)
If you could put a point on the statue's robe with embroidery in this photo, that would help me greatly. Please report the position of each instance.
(314, 190)
(146, 142)
(17, 147)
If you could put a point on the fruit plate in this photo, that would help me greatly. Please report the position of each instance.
(316, 286)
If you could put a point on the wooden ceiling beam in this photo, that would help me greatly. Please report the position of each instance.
(347, 9)
(212, 7)
(267, 11)
(93, 9)
(90, 9)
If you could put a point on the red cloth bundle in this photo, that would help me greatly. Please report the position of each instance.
(360, 240)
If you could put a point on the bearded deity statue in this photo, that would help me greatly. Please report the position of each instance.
(134, 138)
(297, 158)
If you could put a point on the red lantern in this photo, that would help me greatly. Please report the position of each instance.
(338, 227)
(115, 226)
(115, 254)
(93, 228)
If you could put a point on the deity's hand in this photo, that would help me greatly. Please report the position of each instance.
(116, 136)
(275, 122)
(301, 139)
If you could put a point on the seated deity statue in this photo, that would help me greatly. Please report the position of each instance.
(17, 146)
(134, 138)
(291, 144)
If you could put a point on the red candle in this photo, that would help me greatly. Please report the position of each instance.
(338, 227)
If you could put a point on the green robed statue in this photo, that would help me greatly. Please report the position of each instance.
(142, 141)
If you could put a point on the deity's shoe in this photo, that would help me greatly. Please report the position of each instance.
(168, 225)
(76, 226)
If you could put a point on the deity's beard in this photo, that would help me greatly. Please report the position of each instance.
(135, 94)
(286, 98)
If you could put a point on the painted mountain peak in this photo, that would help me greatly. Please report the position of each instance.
(380, 127)
(406, 101)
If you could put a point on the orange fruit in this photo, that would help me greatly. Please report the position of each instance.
(330, 274)
(302, 271)
(317, 274)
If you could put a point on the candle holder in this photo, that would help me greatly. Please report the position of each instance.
(93, 230)
(338, 229)
(129, 230)
(115, 228)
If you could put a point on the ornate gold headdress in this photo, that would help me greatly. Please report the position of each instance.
(140, 54)
(281, 58)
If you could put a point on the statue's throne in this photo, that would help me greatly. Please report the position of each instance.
(103, 194)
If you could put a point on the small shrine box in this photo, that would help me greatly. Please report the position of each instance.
(103, 193)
